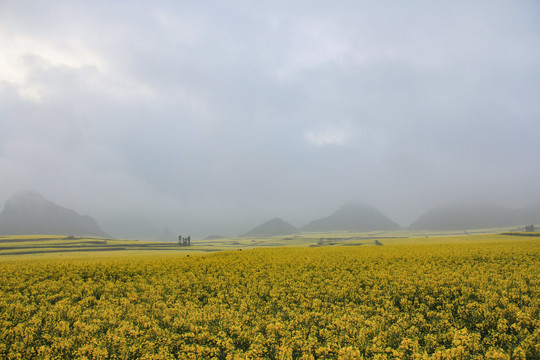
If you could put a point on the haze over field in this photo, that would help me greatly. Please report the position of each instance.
(214, 117)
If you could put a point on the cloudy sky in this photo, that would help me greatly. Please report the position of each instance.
(214, 116)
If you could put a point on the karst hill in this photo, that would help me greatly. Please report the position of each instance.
(273, 227)
(29, 213)
(353, 218)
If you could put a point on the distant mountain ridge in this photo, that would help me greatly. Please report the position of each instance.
(462, 217)
(273, 227)
(354, 218)
(29, 213)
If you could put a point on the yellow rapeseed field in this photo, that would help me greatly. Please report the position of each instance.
(469, 300)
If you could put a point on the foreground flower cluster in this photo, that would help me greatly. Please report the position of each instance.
(468, 301)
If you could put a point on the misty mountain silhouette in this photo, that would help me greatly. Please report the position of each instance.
(273, 227)
(462, 217)
(29, 213)
(352, 217)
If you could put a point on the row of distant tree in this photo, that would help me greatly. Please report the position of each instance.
(184, 241)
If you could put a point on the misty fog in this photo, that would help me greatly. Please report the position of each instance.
(213, 117)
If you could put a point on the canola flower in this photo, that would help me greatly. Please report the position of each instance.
(446, 301)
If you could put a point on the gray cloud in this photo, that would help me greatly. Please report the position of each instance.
(213, 117)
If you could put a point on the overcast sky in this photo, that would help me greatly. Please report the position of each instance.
(214, 116)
